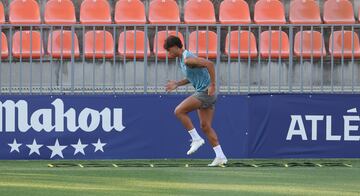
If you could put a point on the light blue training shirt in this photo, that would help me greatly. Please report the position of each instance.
(199, 76)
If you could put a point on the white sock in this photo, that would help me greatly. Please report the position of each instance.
(218, 151)
(194, 134)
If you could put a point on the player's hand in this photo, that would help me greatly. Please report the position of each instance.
(211, 90)
(171, 85)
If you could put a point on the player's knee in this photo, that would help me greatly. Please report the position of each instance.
(178, 112)
(205, 126)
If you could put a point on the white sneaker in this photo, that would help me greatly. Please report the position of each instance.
(218, 162)
(195, 145)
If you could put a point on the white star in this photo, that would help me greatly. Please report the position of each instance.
(34, 147)
(56, 149)
(79, 147)
(14, 146)
(99, 145)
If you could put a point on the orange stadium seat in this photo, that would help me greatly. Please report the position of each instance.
(199, 12)
(234, 12)
(60, 44)
(4, 46)
(95, 12)
(343, 45)
(130, 12)
(309, 44)
(203, 43)
(24, 12)
(59, 12)
(95, 45)
(269, 12)
(159, 40)
(304, 12)
(270, 44)
(244, 47)
(133, 49)
(338, 12)
(164, 12)
(2, 13)
(28, 44)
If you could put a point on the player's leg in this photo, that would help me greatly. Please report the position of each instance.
(181, 112)
(206, 117)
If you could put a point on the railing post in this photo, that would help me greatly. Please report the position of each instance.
(218, 32)
(145, 59)
(290, 72)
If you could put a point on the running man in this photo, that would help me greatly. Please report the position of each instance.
(201, 74)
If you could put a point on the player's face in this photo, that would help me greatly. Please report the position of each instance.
(174, 52)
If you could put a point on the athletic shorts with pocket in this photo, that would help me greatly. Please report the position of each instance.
(206, 100)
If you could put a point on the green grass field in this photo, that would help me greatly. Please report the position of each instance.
(171, 177)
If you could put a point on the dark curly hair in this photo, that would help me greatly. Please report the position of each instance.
(172, 41)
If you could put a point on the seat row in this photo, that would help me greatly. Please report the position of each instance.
(167, 12)
(243, 44)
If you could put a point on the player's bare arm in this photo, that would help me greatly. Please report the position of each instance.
(173, 84)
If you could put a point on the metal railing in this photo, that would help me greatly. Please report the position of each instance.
(235, 75)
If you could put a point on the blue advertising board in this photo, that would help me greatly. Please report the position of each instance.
(144, 127)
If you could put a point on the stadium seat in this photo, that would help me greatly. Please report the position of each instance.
(276, 50)
(269, 12)
(234, 12)
(164, 12)
(95, 12)
(161, 36)
(60, 44)
(244, 47)
(304, 12)
(102, 49)
(130, 12)
(24, 12)
(4, 46)
(131, 48)
(344, 44)
(338, 12)
(59, 12)
(309, 44)
(204, 44)
(29, 45)
(2, 14)
(199, 12)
